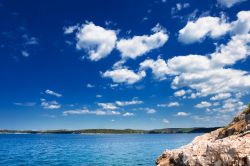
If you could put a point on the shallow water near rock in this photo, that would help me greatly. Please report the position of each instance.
(87, 149)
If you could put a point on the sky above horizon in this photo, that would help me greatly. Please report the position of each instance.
(123, 64)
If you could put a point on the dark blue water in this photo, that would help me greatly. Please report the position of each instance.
(87, 150)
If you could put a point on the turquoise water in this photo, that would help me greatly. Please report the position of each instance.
(87, 150)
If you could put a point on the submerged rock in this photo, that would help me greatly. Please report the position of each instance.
(228, 146)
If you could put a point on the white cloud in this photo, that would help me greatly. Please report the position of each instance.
(181, 6)
(139, 45)
(108, 106)
(194, 31)
(176, 65)
(242, 24)
(98, 96)
(209, 74)
(214, 27)
(113, 85)
(50, 104)
(159, 67)
(128, 114)
(119, 64)
(113, 113)
(87, 111)
(90, 85)
(221, 96)
(229, 3)
(27, 104)
(231, 105)
(53, 93)
(202, 118)
(95, 40)
(182, 114)
(70, 29)
(190, 63)
(25, 54)
(126, 103)
(150, 110)
(165, 121)
(30, 40)
(76, 112)
(214, 81)
(216, 103)
(203, 104)
(124, 75)
(236, 49)
(178, 7)
(180, 93)
(173, 104)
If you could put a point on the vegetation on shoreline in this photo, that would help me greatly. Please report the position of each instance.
(114, 131)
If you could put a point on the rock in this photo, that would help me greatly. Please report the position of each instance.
(228, 146)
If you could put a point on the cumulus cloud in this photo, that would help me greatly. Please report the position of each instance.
(208, 74)
(30, 40)
(87, 111)
(70, 29)
(108, 106)
(159, 67)
(171, 104)
(203, 104)
(25, 53)
(242, 24)
(178, 7)
(165, 121)
(221, 96)
(126, 103)
(77, 112)
(194, 31)
(150, 110)
(229, 3)
(176, 65)
(128, 114)
(98, 96)
(236, 49)
(214, 27)
(97, 41)
(90, 85)
(139, 45)
(50, 104)
(124, 75)
(53, 93)
(230, 105)
(190, 63)
(182, 114)
(180, 93)
(112, 86)
(214, 81)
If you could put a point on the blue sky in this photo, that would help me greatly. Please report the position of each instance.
(123, 64)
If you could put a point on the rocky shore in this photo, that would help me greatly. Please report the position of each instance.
(228, 146)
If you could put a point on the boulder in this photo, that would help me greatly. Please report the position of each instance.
(228, 146)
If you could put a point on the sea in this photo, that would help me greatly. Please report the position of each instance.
(87, 149)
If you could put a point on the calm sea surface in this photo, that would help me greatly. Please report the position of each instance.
(87, 150)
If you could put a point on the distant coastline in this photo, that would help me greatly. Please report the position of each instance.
(114, 131)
